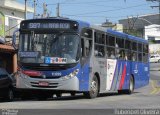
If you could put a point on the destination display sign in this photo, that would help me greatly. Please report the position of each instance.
(49, 25)
(28, 54)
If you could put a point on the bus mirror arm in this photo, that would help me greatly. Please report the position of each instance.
(14, 39)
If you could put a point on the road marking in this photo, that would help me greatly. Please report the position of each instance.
(155, 88)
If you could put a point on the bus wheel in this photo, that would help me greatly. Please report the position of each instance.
(131, 85)
(10, 95)
(94, 86)
(58, 95)
(73, 94)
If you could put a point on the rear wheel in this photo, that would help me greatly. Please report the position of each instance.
(131, 86)
(159, 61)
(94, 89)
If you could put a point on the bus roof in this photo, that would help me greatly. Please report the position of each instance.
(126, 35)
(120, 34)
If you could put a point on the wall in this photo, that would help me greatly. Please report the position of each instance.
(152, 33)
(2, 27)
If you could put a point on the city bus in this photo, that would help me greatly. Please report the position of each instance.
(60, 55)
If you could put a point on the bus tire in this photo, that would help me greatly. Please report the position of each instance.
(94, 88)
(131, 86)
(73, 94)
(58, 95)
(10, 95)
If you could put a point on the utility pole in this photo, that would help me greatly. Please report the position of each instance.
(44, 10)
(34, 15)
(156, 6)
(58, 12)
(25, 15)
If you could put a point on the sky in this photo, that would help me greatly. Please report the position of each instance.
(96, 11)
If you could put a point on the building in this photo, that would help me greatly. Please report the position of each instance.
(138, 23)
(14, 13)
(152, 33)
(11, 14)
(110, 25)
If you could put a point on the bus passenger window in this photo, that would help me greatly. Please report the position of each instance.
(99, 51)
(121, 54)
(88, 47)
(134, 56)
(126, 55)
(111, 52)
(82, 47)
(120, 42)
(140, 57)
(127, 44)
(111, 41)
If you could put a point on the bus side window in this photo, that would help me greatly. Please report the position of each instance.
(99, 51)
(88, 47)
(82, 48)
(111, 41)
(111, 52)
(134, 56)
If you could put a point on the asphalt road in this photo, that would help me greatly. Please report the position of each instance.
(143, 98)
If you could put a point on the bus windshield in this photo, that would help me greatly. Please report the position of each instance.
(49, 48)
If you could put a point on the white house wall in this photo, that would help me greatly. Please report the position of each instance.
(153, 31)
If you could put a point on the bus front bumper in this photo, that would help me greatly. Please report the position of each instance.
(71, 84)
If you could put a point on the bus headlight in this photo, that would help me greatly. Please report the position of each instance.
(71, 75)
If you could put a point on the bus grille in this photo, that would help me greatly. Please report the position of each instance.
(51, 85)
(47, 77)
(44, 86)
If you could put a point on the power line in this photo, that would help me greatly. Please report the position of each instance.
(108, 10)
(84, 2)
(156, 6)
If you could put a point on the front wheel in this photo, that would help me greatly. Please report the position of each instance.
(10, 95)
(94, 89)
(73, 94)
(58, 95)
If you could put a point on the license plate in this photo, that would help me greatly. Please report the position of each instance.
(43, 83)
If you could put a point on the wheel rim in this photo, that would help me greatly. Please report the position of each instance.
(94, 87)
